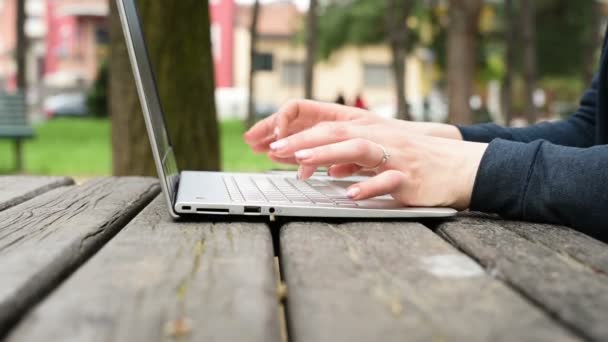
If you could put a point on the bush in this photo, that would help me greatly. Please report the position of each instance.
(97, 97)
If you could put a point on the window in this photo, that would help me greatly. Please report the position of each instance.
(292, 74)
(263, 61)
(377, 75)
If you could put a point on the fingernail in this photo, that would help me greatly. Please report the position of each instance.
(298, 176)
(277, 145)
(329, 171)
(353, 192)
(303, 154)
(277, 131)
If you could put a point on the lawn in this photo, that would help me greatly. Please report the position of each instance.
(81, 147)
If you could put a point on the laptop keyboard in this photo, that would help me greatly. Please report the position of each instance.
(275, 190)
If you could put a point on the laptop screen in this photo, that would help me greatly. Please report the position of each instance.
(148, 94)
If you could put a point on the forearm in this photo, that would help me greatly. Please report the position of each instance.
(544, 182)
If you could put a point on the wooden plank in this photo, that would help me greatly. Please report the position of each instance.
(570, 290)
(18, 189)
(44, 240)
(216, 277)
(394, 282)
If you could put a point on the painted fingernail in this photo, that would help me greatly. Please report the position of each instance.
(277, 145)
(303, 154)
(353, 192)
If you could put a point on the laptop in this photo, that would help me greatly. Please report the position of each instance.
(220, 193)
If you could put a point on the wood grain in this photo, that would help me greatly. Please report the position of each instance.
(215, 278)
(395, 282)
(45, 239)
(18, 189)
(546, 264)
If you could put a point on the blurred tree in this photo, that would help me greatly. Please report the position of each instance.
(593, 39)
(311, 48)
(462, 44)
(363, 22)
(510, 34)
(397, 13)
(21, 46)
(179, 44)
(253, 34)
(530, 73)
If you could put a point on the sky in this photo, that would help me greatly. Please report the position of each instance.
(302, 4)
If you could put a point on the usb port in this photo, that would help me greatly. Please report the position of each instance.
(253, 210)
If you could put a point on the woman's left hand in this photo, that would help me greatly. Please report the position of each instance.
(420, 170)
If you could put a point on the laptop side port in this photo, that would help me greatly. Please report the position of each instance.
(253, 210)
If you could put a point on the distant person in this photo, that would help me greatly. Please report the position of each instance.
(554, 172)
(340, 99)
(359, 102)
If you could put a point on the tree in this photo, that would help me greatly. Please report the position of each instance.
(462, 45)
(364, 22)
(179, 45)
(311, 48)
(253, 34)
(397, 12)
(21, 46)
(510, 60)
(592, 42)
(530, 70)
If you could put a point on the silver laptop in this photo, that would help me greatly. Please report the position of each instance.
(218, 193)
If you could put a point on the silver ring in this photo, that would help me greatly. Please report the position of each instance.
(385, 157)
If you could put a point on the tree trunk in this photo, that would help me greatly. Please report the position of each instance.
(510, 43)
(397, 13)
(592, 43)
(178, 38)
(528, 36)
(311, 49)
(21, 50)
(253, 33)
(461, 57)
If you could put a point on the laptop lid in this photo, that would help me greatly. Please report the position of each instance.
(158, 135)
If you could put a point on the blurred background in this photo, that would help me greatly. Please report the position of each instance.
(68, 105)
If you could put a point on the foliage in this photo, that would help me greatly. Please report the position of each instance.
(97, 97)
(356, 22)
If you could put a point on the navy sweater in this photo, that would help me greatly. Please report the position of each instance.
(550, 172)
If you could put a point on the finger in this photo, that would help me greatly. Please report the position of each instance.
(386, 183)
(276, 159)
(322, 134)
(305, 172)
(358, 151)
(263, 145)
(261, 130)
(343, 170)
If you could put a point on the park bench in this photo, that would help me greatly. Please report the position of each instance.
(103, 261)
(13, 123)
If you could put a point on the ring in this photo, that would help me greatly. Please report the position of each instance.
(385, 157)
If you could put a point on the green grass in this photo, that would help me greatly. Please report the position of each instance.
(81, 147)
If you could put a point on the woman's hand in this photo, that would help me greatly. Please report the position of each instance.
(299, 115)
(421, 170)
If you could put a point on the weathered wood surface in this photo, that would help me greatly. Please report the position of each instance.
(549, 265)
(396, 282)
(43, 240)
(18, 189)
(216, 277)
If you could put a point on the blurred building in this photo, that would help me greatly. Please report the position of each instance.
(67, 41)
(280, 64)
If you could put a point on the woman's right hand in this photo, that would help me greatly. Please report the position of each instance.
(299, 115)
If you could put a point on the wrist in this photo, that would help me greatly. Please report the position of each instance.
(471, 158)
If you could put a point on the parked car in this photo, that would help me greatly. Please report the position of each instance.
(69, 104)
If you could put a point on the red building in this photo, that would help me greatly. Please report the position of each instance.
(223, 14)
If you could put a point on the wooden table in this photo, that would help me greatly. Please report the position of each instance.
(103, 261)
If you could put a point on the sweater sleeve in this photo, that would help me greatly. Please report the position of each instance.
(543, 182)
(577, 131)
